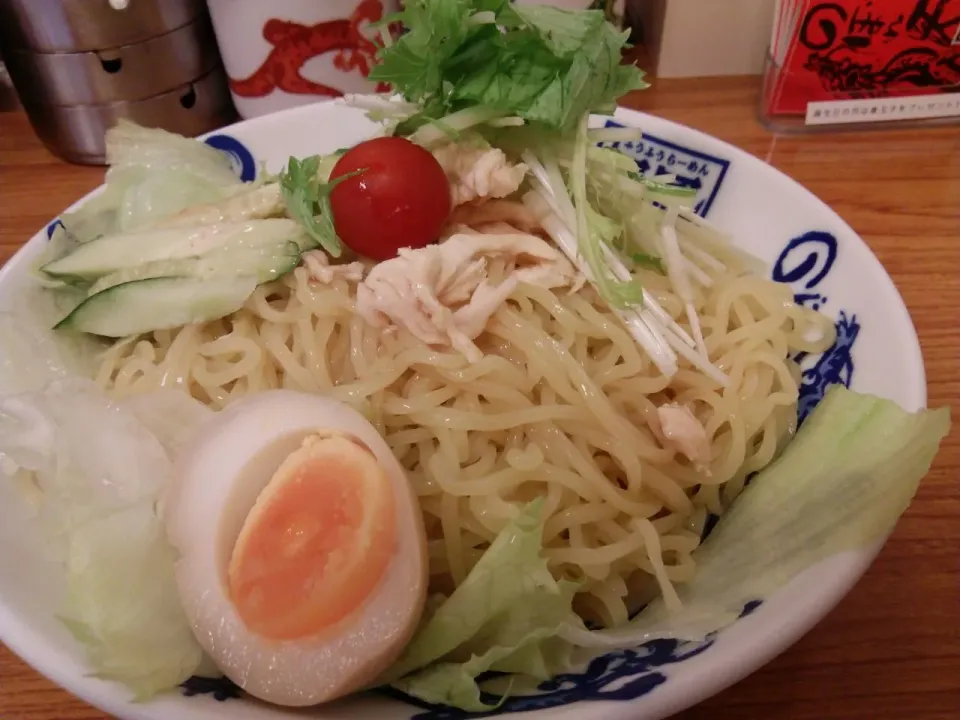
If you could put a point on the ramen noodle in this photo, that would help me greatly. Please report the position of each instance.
(564, 405)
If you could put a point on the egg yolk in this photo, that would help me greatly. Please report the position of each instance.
(317, 542)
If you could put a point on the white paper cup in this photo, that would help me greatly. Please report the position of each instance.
(282, 53)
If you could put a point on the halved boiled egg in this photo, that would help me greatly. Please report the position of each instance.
(303, 565)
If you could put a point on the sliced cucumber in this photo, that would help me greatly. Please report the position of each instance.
(264, 264)
(249, 203)
(160, 303)
(113, 253)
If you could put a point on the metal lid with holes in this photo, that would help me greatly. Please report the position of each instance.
(76, 133)
(82, 25)
(128, 72)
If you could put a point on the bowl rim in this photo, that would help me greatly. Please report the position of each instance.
(746, 646)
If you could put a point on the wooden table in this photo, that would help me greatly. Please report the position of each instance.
(892, 647)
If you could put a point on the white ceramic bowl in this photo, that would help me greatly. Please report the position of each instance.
(806, 245)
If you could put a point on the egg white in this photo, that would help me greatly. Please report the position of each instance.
(217, 479)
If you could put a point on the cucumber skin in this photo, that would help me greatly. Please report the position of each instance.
(275, 266)
(88, 316)
(95, 262)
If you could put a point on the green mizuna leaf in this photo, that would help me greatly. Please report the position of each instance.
(545, 65)
(306, 193)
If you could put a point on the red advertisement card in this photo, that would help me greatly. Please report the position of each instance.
(857, 49)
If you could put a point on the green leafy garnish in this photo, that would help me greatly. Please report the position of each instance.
(306, 193)
(543, 64)
(426, 117)
(435, 30)
(649, 261)
(662, 188)
(596, 231)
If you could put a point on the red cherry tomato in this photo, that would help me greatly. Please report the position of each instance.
(401, 199)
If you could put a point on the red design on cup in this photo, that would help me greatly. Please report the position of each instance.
(294, 44)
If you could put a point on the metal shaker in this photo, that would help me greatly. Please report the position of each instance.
(80, 65)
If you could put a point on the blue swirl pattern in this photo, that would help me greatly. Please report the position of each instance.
(621, 675)
(52, 228)
(242, 159)
(807, 261)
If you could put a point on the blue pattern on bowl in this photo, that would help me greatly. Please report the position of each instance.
(804, 263)
(52, 228)
(219, 688)
(693, 168)
(620, 675)
(807, 260)
(242, 159)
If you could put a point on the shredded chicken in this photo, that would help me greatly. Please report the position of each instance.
(502, 228)
(493, 228)
(511, 212)
(446, 294)
(478, 171)
(684, 433)
(318, 266)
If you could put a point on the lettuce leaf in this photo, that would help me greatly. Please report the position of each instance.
(505, 617)
(101, 470)
(97, 470)
(153, 174)
(122, 602)
(32, 356)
